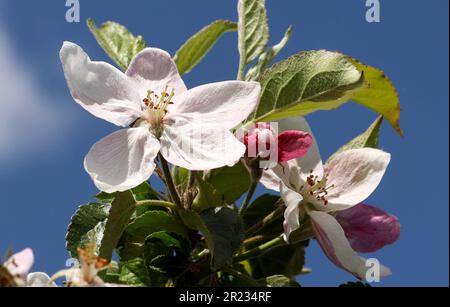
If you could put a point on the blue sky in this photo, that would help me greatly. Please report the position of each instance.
(44, 135)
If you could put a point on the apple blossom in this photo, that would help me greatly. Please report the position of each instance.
(14, 271)
(189, 128)
(86, 274)
(323, 191)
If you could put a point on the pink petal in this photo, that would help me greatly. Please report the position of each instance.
(332, 240)
(293, 144)
(20, 264)
(353, 174)
(368, 228)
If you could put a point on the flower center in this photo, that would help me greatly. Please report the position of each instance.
(155, 108)
(316, 188)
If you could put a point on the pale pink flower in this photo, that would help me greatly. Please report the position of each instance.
(322, 191)
(190, 128)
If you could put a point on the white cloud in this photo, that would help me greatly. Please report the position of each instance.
(30, 124)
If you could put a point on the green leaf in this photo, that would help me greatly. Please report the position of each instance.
(134, 273)
(287, 260)
(226, 233)
(166, 256)
(154, 221)
(142, 192)
(253, 29)
(194, 221)
(306, 82)
(222, 229)
(280, 281)
(369, 138)
(196, 47)
(117, 41)
(85, 219)
(112, 273)
(378, 94)
(230, 182)
(259, 209)
(122, 208)
(267, 57)
(207, 197)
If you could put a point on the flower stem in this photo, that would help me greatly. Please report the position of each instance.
(259, 250)
(157, 203)
(248, 198)
(265, 221)
(241, 71)
(242, 276)
(253, 240)
(169, 181)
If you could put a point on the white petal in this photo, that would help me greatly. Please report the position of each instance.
(122, 160)
(100, 88)
(355, 174)
(292, 200)
(224, 103)
(288, 173)
(332, 240)
(271, 180)
(311, 161)
(153, 69)
(199, 147)
(39, 280)
(19, 264)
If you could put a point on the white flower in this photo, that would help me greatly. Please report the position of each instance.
(14, 271)
(307, 186)
(190, 128)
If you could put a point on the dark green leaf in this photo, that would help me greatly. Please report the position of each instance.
(117, 41)
(259, 209)
(287, 260)
(166, 256)
(227, 233)
(196, 47)
(223, 230)
(85, 219)
(134, 273)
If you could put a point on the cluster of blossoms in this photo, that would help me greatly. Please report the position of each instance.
(162, 121)
(191, 129)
